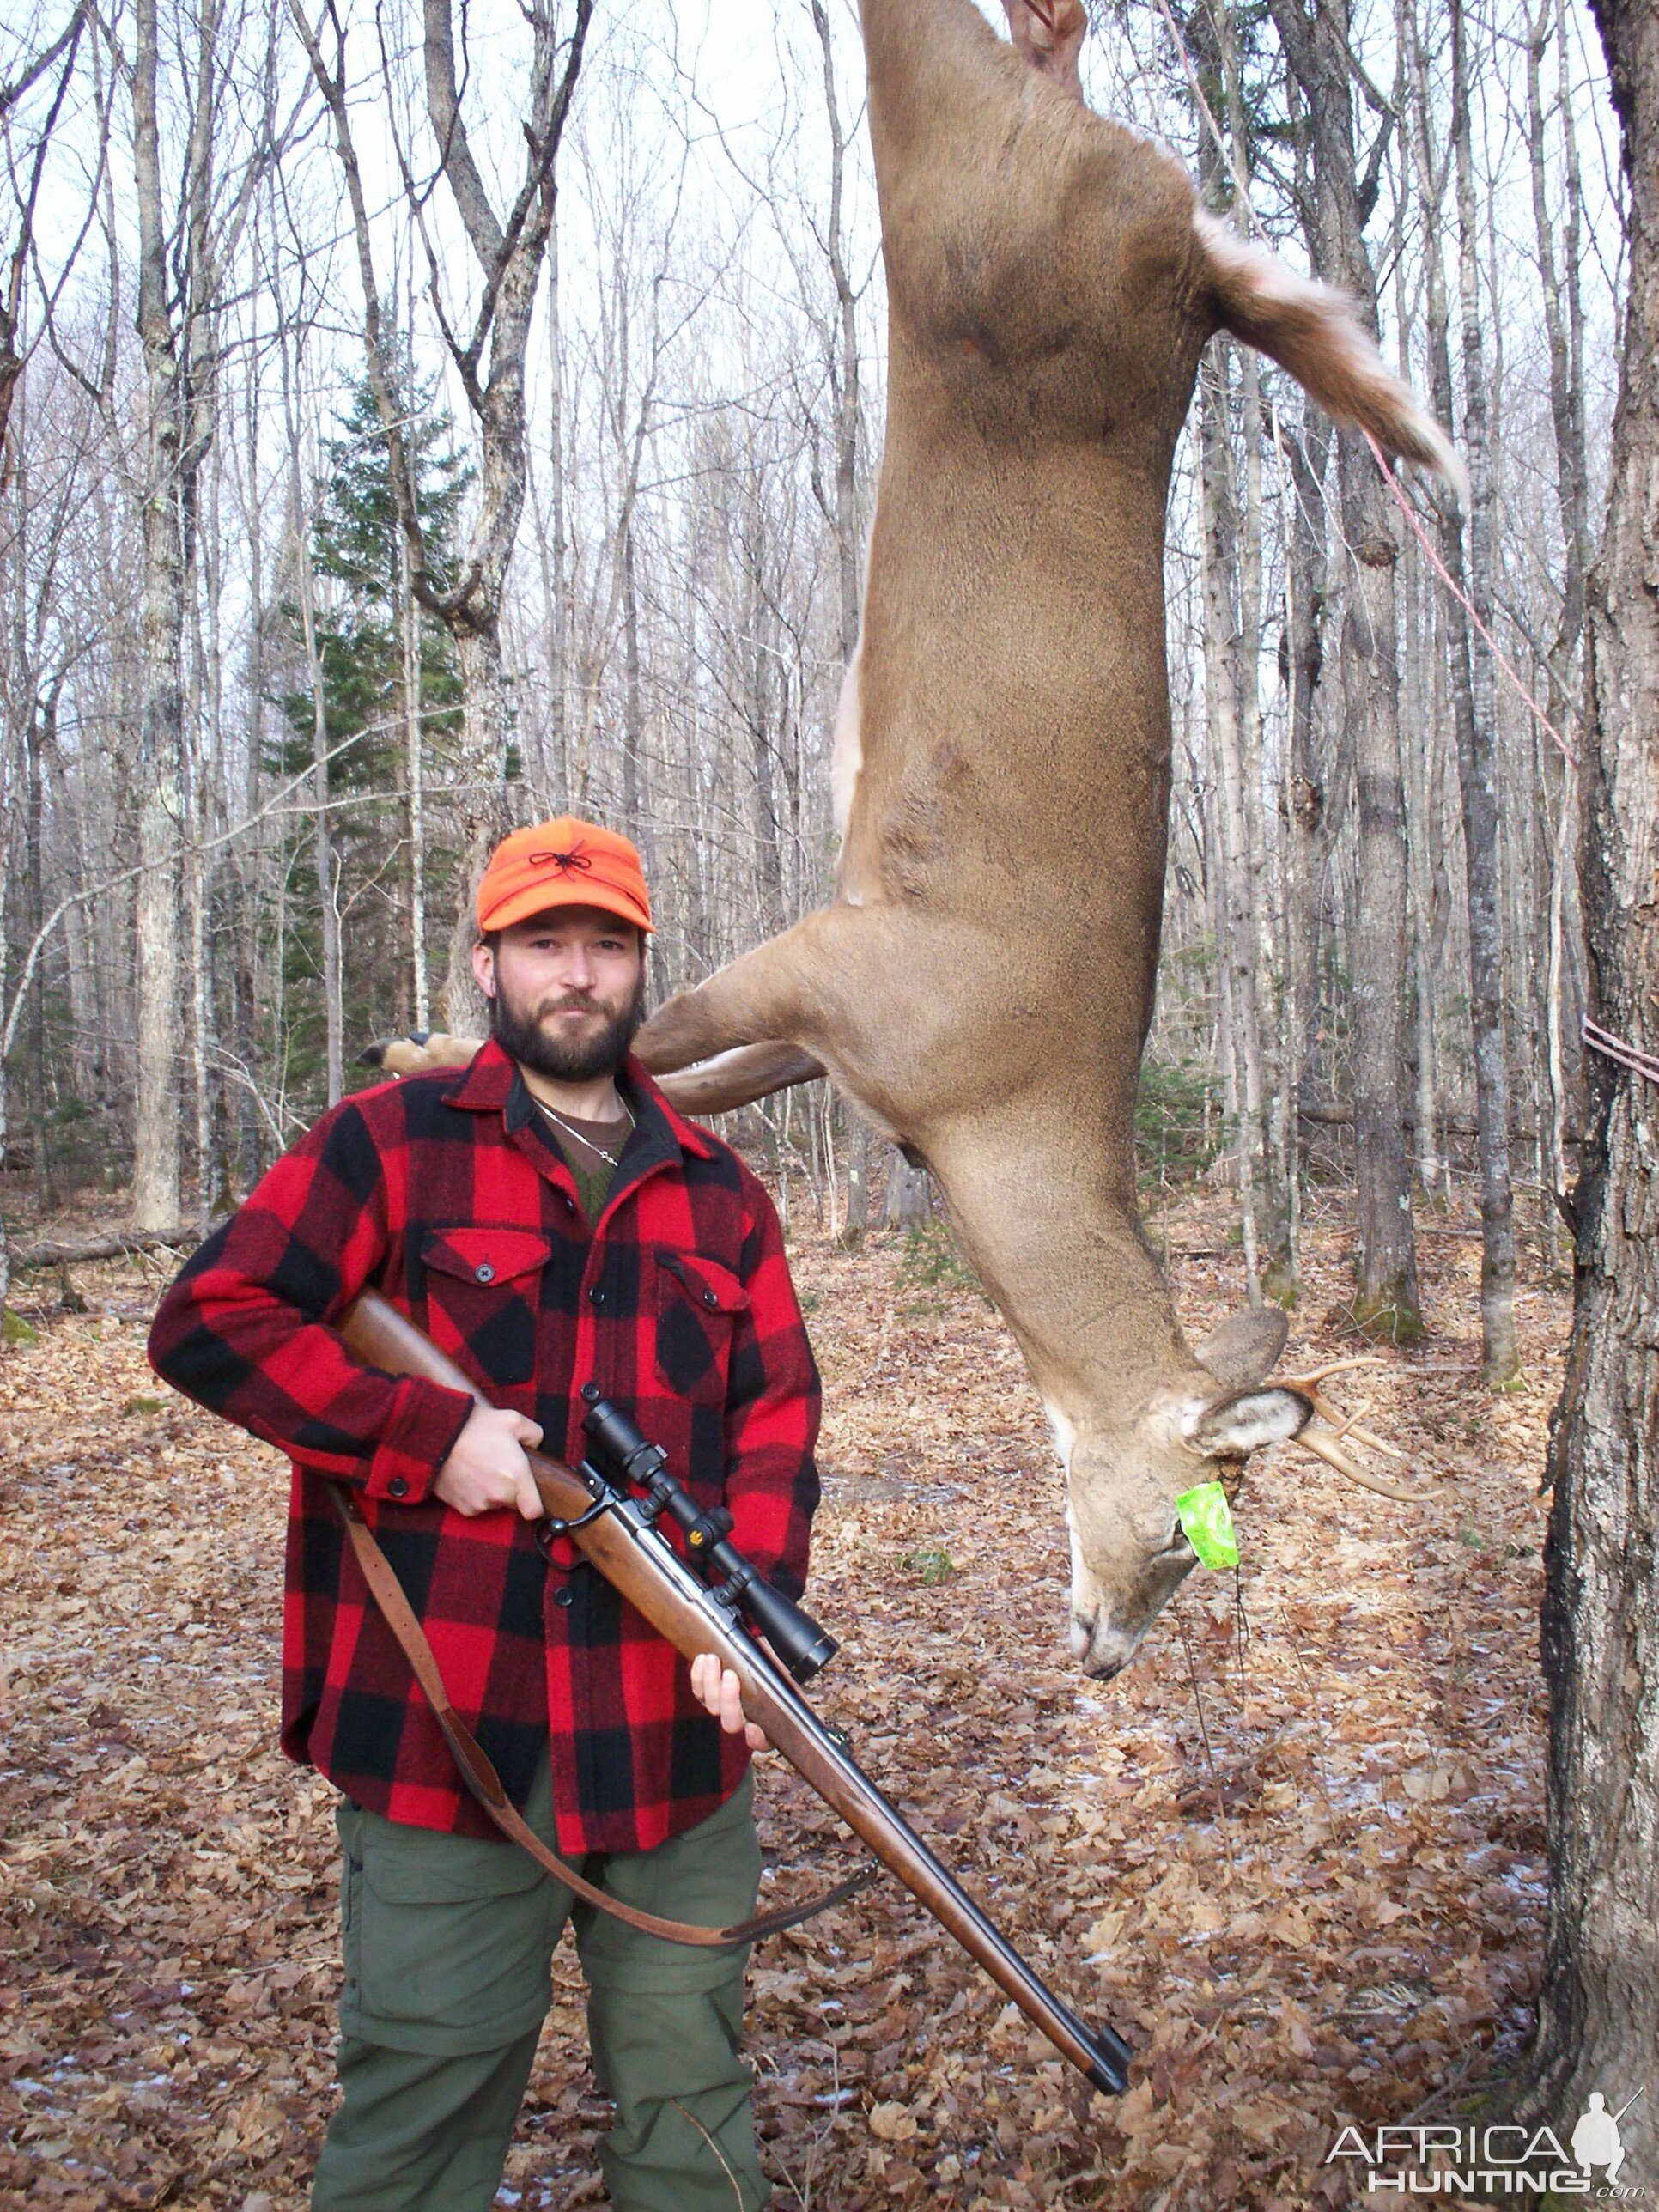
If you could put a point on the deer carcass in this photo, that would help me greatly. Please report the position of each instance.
(982, 983)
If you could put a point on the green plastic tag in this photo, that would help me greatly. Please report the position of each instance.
(1204, 1514)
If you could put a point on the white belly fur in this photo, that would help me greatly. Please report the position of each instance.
(847, 750)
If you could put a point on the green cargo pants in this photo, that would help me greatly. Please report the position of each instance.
(448, 1942)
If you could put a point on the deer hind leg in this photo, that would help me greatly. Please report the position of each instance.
(1049, 34)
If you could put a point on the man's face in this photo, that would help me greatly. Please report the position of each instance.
(567, 991)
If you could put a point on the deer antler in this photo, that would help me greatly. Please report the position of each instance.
(1325, 1438)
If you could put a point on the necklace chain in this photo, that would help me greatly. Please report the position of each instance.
(559, 1122)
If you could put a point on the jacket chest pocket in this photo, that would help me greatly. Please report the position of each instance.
(483, 1297)
(698, 1302)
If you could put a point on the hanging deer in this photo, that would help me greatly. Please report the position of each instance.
(982, 981)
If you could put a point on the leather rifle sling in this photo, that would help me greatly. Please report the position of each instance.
(478, 1771)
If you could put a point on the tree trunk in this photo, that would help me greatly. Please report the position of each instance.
(1219, 556)
(486, 720)
(1317, 45)
(846, 386)
(1599, 2008)
(250, 1145)
(855, 1226)
(8, 736)
(1250, 839)
(322, 841)
(157, 1165)
(1473, 710)
(1476, 724)
(38, 739)
(1307, 830)
(414, 777)
(909, 1193)
(633, 708)
(1563, 331)
(557, 551)
(85, 978)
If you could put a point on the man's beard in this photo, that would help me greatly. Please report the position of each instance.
(566, 1060)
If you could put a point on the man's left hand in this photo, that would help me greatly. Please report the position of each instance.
(721, 1690)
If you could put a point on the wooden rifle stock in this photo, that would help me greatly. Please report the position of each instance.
(667, 1593)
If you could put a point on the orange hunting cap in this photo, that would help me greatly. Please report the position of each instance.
(563, 863)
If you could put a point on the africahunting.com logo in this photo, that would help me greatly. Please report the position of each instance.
(1482, 2162)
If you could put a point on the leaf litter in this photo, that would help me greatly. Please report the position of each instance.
(1328, 1915)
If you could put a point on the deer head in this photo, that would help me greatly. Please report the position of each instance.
(1123, 1474)
(983, 983)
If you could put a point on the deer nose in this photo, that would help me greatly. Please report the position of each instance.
(1108, 1653)
(1100, 1652)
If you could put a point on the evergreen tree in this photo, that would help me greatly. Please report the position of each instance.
(361, 628)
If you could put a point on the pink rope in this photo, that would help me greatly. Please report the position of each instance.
(1621, 1050)
(1459, 593)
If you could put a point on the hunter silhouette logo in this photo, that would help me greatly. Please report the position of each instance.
(1495, 2159)
(1595, 2139)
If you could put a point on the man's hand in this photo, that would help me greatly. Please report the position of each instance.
(488, 1468)
(722, 1693)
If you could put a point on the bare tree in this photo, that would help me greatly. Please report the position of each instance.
(488, 354)
(1599, 2008)
(185, 249)
(1473, 707)
(1318, 46)
(28, 164)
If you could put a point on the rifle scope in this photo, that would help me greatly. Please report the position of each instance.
(800, 1642)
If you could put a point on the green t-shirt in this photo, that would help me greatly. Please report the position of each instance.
(584, 1144)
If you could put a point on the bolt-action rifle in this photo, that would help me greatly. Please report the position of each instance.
(611, 1507)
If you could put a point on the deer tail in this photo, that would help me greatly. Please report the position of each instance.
(417, 1051)
(1312, 331)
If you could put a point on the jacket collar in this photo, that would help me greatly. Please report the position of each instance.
(492, 1081)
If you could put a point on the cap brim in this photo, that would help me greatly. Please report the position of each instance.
(542, 898)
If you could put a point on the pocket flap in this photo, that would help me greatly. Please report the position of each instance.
(485, 1255)
(416, 1867)
(705, 1281)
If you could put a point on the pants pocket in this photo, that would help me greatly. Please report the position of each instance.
(451, 1939)
(709, 1876)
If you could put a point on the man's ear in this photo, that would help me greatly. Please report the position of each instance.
(484, 968)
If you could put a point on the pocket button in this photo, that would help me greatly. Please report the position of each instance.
(484, 1272)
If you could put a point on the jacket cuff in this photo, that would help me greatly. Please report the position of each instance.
(426, 1422)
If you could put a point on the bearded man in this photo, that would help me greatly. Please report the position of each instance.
(549, 1220)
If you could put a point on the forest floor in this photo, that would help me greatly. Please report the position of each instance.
(1331, 1913)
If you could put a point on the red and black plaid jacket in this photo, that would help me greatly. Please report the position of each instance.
(444, 1193)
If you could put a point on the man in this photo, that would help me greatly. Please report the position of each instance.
(549, 1220)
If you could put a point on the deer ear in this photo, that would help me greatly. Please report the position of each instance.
(1245, 1420)
(1245, 1349)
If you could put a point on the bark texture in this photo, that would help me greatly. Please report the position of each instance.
(1318, 47)
(1599, 2008)
(158, 1146)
